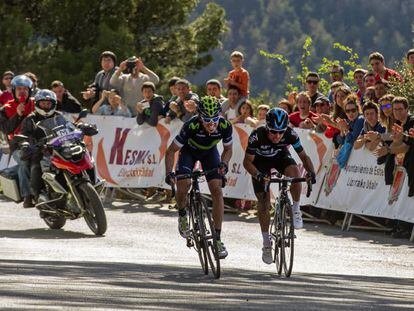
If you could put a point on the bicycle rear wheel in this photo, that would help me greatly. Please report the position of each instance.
(198, 242)
(276, 238)
(288, 238)
(208, 233)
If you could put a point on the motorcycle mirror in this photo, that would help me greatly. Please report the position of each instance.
(82, 114)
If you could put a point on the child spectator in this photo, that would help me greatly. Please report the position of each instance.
(115, 108)
(261, 114)
(286, 105)
(303, 117)
(239, 76)
(150, 108)
(370, 134)
(245, 112)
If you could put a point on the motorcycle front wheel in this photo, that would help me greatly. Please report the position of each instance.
(94, 211)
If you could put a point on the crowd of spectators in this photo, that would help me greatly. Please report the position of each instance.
(365, 115)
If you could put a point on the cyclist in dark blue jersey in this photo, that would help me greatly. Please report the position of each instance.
(197, 141)
(268, 149)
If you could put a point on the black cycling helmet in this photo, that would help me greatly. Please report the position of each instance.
(209, 107)
(45, 95)
(21, 80)
(277, 120)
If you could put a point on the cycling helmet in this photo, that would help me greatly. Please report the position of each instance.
(45, 95)
(209, 107)
(277, 120)
(21, 80)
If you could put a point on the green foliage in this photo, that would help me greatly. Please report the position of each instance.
(293, 84)
(63, 39)
(405, 89)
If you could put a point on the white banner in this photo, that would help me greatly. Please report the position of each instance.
(360, 188)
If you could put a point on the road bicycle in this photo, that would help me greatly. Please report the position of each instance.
(282, 231)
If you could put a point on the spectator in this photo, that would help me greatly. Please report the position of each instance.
(186, 104)
(333, 129)
(410, 59)
(173, 91)
(381, 88)
(150, 108)
(337, 75)
(292, 100)
(386, 115)
(130, 83)
(370, 94)
(403, 143)
(387, 121)
(230, 107)
(261, 114)
(370, 134)
(35, 81)
(359, 74)
(322, 107)
(213, 88)
(65, 100)
(369, 79)
(303, 117)
(115, 106)
(7, 91)
(312, 84)
(11, 116)
(245, 112)
(286, 105)
(334, 86)
(350, 128)
(377, 62)
(239, 76)
(102, 78)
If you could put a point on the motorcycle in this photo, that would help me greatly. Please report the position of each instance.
(68, 192)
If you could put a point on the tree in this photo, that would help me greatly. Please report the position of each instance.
(63, 39)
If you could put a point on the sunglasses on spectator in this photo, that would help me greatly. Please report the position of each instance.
(353, 110)
(210, 120)
(312, 81)
(385, 106)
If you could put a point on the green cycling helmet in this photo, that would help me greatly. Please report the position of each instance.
(209, 107)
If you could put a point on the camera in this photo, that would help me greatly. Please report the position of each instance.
(131, 64)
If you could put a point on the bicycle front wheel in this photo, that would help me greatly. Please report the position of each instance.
(208, 233)
(288, 238)
(276, 237)
(198, 241)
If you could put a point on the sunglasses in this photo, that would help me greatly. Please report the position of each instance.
(210, 120)
(274, 132)
(312, 81)
(351, 110)
(385, 106)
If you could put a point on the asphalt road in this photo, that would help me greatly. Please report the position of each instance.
(142, 264)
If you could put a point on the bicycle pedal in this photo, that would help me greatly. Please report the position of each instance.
(190, 243)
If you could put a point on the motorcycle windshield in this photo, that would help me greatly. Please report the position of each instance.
(59, 130)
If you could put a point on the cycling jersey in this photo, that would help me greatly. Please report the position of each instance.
(194, 135)
(198, 145)
(269, 155)
(261, 146)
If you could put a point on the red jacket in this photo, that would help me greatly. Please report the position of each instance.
(12, 121)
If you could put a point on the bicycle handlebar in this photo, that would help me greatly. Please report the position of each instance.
(282, 179)
(194, 175)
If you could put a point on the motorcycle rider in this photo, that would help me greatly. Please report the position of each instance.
(12, 114)
(45, 108)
